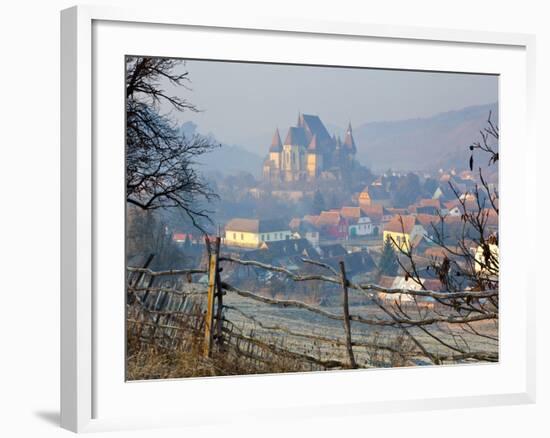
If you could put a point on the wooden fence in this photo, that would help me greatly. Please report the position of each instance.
(169, 310)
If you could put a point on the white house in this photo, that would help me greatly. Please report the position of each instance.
(487, 258)
(363, 227)
(359, 224)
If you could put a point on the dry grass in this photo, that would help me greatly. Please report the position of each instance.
(146, 361)
(171, 348)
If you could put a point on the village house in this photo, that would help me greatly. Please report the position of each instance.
(359, 224)
(302, 229)
(193, 239)
(288, 253)
(402, 282)
(332, 250)
(283, 252)
(251, 233)
(333, 225)
(360, 266)
(392, 211)
(374, 195)
(431, 223)
(425, 206)
(486, 257)
(179, 237)
(402, 230)
(443, 193)
(467, 202)
(376, 215)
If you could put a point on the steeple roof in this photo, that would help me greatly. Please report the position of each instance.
(349, 142)
(296, 136)
(276, 145)
(314, 126)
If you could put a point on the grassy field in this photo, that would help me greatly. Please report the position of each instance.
(381, 347)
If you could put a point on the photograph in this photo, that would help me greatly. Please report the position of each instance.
(291, 218)
(277, 218)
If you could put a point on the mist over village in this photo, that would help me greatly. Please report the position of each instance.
(289, 241)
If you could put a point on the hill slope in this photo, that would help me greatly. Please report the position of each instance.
(227, 159)
(424, 143)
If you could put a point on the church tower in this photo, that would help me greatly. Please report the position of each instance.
(309, 152)
(293, 157)
(314, 159)
(272, 164)
(276, 149)
(348, 146)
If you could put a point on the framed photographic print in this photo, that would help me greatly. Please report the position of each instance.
(272, 207)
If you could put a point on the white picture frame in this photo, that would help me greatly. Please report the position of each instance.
(91, 388)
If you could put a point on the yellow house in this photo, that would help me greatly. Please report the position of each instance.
(251, 233)
(401, 230)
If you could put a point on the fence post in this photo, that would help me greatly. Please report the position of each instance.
(219, 295)
(209, 319)
(347, 323)
(130, 297)
(145, 266)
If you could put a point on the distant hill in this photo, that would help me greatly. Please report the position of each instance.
(232, 159)
(424, 143)
(227, 159)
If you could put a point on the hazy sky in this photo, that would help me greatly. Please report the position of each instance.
(242, 103)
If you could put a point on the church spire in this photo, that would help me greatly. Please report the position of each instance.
(299, 122)
(276, 145)
(349, 142)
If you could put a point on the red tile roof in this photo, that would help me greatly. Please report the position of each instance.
(427, 220)
(311, 219)
(329, 218)
(429, 203)
(401, 224)
(374, 212)
(179, 237)
(351, 212)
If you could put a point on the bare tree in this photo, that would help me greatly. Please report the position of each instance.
(160, 160)
(467, 268)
